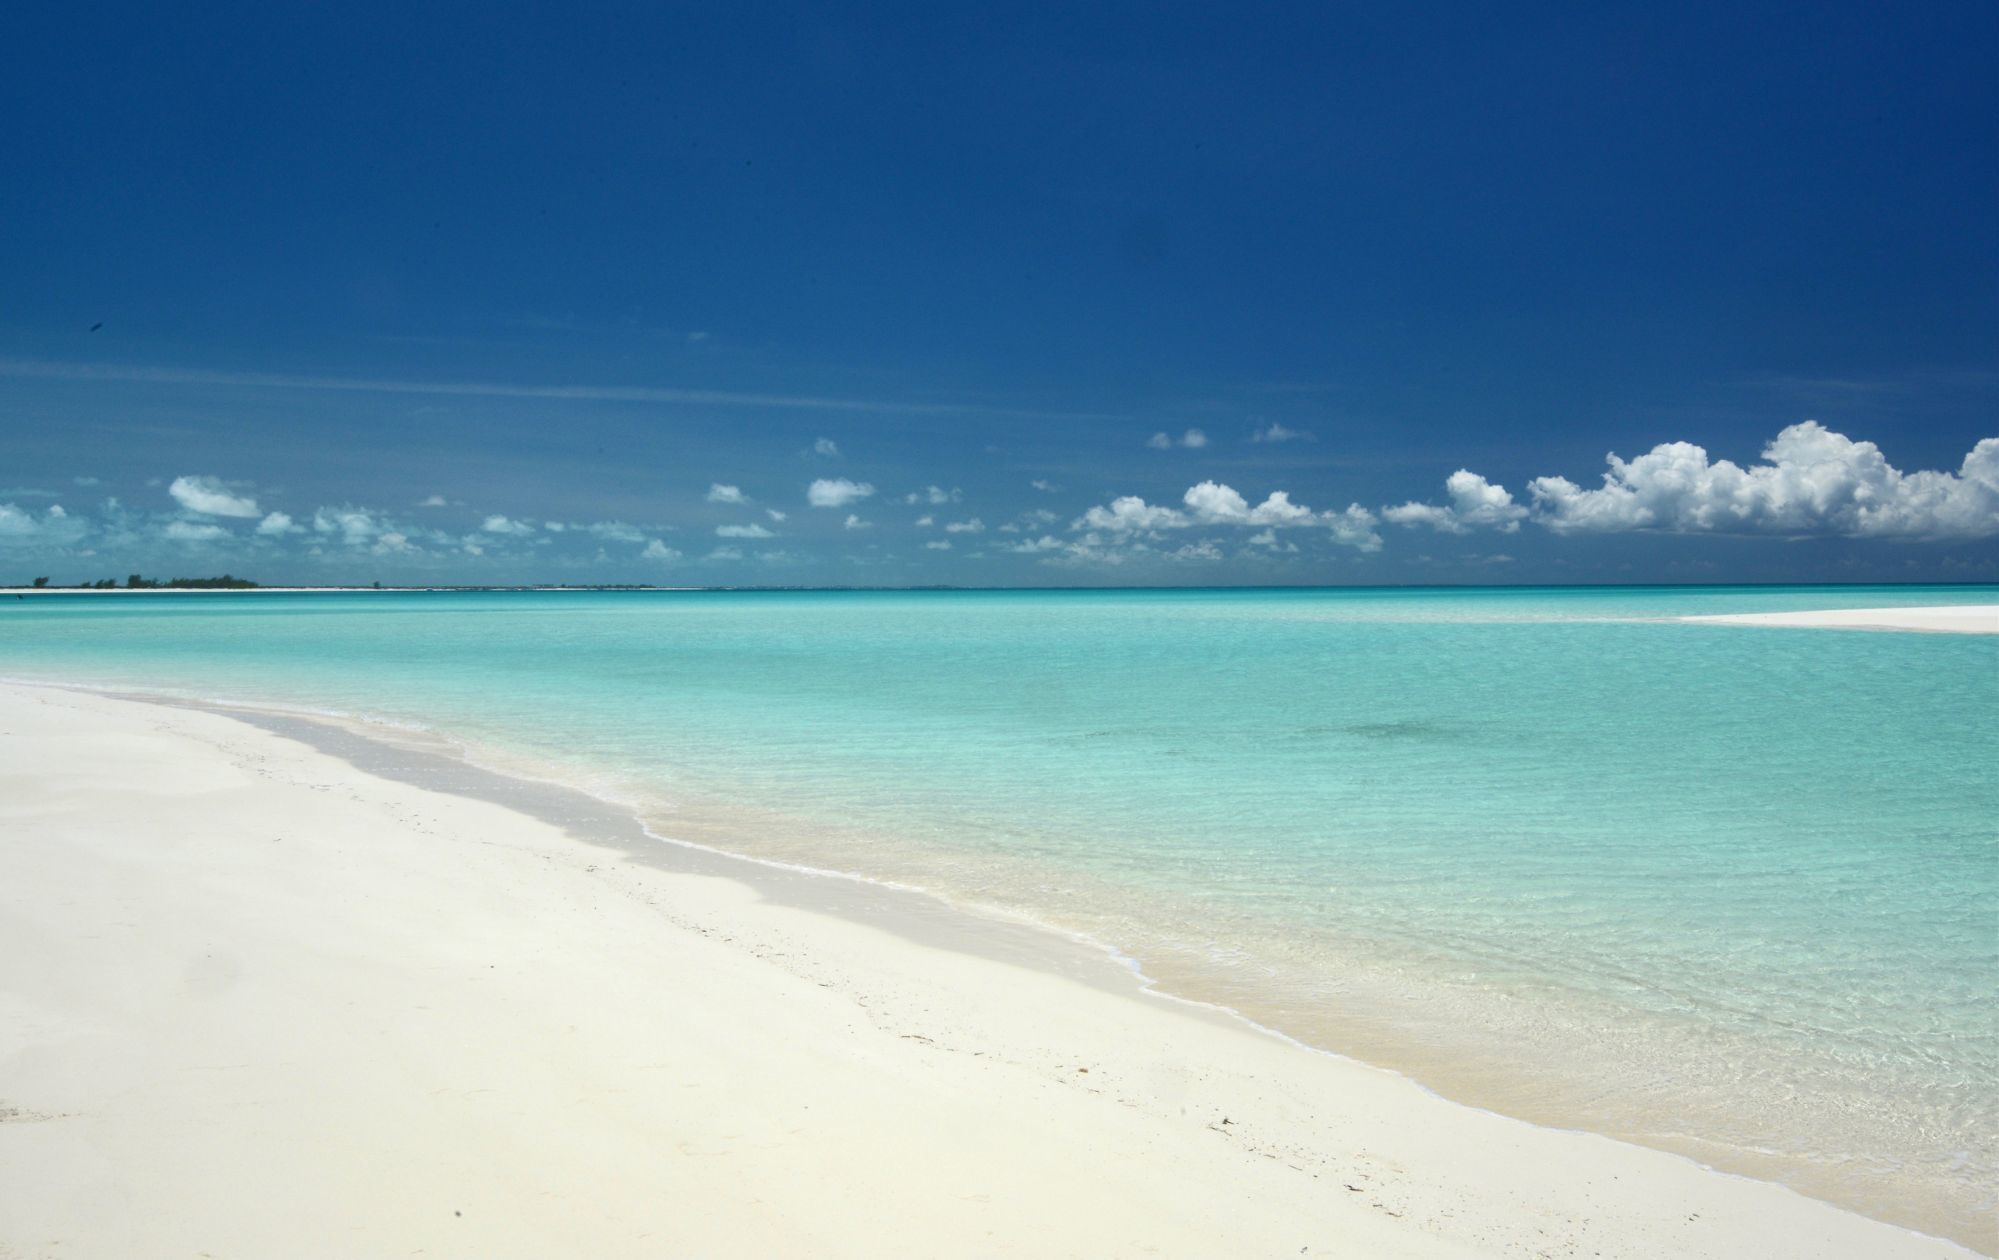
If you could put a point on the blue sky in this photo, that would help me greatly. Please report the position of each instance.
(469, 293)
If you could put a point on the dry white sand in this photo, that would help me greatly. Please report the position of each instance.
(1948, 619)
(256, 1002)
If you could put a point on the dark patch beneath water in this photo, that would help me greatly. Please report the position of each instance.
(1385, 730)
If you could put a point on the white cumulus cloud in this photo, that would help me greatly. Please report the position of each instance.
(719, 493)
(1212, 503)
(657, 550)
(937, 544)
(1128, 514)
(276, 525)
(19, 527)
(1192, 439)
(973, 526)
(826, 446)
(206, 496)
(356, 526)
(189, 532)
(19, 522)
(508, 527)
(1216, 504)
(1353, 527)
(855, 522)
(1034, 546)
(1268, 538)
(742, 531)
(1475, 504)
(15, 522)
(615, 531)
(1812, 481)
(837, 492)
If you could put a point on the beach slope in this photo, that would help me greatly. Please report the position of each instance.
(254, 1001)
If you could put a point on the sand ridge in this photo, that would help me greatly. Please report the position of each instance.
(1943, 619)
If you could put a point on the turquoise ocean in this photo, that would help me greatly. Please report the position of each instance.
(1732, 891)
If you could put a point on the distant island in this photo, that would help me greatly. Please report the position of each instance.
(228, 582)
(139, 582)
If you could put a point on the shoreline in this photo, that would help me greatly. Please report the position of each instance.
(1548, 1092)
(1089, 987)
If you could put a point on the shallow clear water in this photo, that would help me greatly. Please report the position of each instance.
(1729, 890)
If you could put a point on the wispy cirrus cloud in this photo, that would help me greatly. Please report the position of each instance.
(139, 374)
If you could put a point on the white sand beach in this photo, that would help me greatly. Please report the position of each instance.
(257, 1002)
(1944, 619)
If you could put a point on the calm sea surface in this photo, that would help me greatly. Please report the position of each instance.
(1729, 890)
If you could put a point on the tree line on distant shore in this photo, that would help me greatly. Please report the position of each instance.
(138, 582)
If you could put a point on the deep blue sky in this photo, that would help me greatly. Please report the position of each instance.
(577, 265)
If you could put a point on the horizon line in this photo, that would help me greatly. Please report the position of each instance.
(631, 587)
